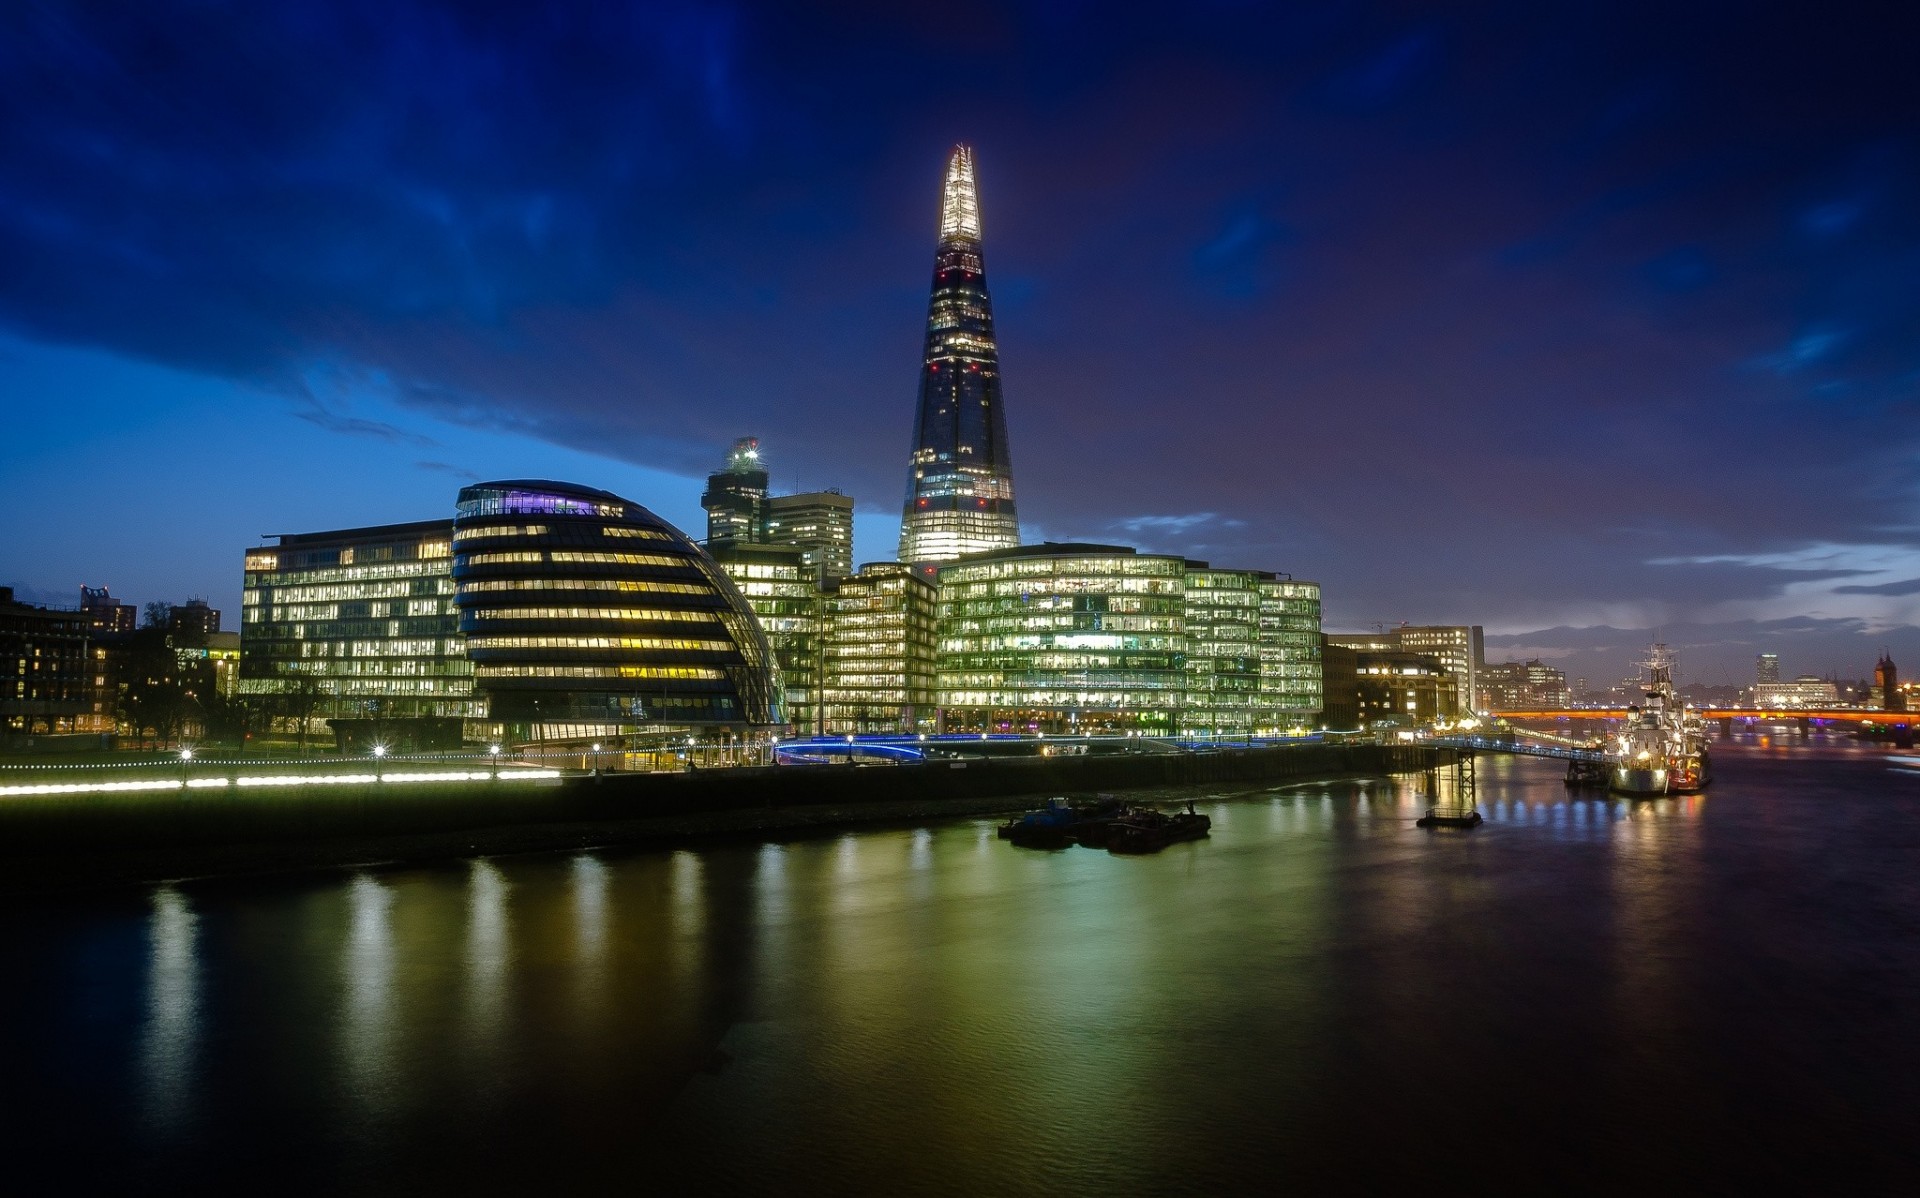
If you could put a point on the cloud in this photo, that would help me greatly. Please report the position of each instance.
(320, 416)
(445, 468)
(1810, 347)
(1909, 586)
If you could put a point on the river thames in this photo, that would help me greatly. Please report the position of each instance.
(1585, 994)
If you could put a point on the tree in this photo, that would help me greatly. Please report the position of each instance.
(161, 697)
(158, 614)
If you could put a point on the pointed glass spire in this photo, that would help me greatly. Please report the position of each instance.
(960, 200)
(960, 477)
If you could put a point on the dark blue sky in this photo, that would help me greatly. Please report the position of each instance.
(1543, 316)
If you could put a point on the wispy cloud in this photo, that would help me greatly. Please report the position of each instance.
(320, 416)
(447, 468)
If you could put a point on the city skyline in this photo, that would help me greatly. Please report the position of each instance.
(1458, 365)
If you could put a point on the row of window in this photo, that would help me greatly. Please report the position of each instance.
(629, 586)
(593, 642)
(630, 614)
(669, 673)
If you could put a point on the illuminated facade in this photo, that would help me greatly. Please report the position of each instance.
(778, 585)
(1521, 686)
(1063, 639)
(587, 615)
(1223, 652)
(960, 478)
(820, 525)
(357, 627)
(1459, 648)
(1292, 682)
(880, 645)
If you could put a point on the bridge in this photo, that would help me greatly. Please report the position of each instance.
(1488, 744)
(1833, 715)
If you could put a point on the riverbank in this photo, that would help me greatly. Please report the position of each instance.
(71, 842)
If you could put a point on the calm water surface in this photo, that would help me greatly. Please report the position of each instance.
(1585, 995)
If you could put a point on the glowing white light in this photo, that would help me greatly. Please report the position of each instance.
(959, 199)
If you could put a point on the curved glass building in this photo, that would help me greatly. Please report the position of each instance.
(587, 615)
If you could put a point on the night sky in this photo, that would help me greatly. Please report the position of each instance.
(1572, 320)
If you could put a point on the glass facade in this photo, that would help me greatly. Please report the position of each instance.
(779, 587)
(1223, 653)
(1063, 639)
(1292, 685)
(357, 625)
(960, 476)
(879, 660)
(559, 654)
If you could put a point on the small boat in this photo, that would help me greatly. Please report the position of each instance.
(1143, 830)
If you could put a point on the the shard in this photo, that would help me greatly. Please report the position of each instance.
(960, 481)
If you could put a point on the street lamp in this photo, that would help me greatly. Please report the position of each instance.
(493, 755)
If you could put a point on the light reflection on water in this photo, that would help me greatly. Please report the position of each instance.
(168, 1049)
(1297, 997)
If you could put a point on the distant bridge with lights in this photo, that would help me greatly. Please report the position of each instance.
(1729, 715)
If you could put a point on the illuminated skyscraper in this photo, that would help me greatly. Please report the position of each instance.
(736, 498)
(960, 484)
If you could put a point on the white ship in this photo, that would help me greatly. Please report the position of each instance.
(1662, 749)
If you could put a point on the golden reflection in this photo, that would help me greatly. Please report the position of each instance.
(367, 1015)
(168, 1038)
(689, 894)
(489, 953)
(1655, 879)
(590, 883)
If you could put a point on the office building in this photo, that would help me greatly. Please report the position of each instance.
(1222, 617)
(586, 616)
(1530, 685)
(1458, 648)
(194, 619)
(1766, 668)
(356, 630)
(820, 525)
(1252, 654)
(736, 497)
(1807, 690)
(781, 589)
(105, 615)
(1374, 690)
(960, 476)
(46, 682)
(1292, 686)
(1063, 638)
(878, 666)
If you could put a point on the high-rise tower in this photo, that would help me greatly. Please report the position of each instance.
(960, 482)
(736, 498)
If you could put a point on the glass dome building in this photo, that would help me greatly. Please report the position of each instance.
(586, 615)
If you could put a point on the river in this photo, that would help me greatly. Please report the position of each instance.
(1585, 994)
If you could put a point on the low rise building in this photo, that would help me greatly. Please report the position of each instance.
(356, 629)
(46, 680)
(1370, 690)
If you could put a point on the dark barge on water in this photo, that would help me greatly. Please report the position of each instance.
(1104, 822)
